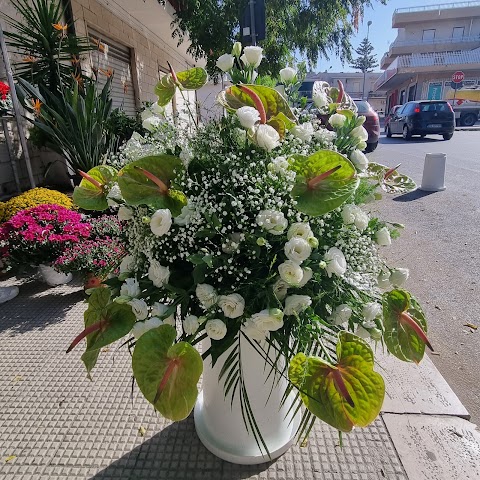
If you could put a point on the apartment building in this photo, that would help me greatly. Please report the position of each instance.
(432, 43)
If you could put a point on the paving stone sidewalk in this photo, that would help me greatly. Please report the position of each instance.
(56, 424)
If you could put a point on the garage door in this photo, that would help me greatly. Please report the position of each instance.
(114, 58)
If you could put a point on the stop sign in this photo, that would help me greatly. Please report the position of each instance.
(458, 77)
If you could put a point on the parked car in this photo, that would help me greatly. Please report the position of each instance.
(372, 123)
(422, 118)
(389, 116)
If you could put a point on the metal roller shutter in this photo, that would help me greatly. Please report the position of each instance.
(116, 58)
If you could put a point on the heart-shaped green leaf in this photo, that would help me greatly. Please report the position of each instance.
(316, 195)
(165, 90)
(233, 98)
(394, 182)
(344, 395)
(89, 196)
(167, 373)
(405, 326)
(192, 79)
(138, 189)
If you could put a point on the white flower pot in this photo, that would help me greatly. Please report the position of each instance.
(53, 278)
(219, 423)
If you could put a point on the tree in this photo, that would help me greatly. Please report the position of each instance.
(310, 27)
(366, 60)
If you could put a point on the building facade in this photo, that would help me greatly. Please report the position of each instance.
(432, 43)
(139, 46)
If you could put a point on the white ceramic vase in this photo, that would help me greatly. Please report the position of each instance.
(53, 278)
(219, 423)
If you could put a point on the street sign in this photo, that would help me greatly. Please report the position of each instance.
(252, 22)
(458, 77)
(456, 86)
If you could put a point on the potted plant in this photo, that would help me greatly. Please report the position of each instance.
(254, 241)
(38, 235)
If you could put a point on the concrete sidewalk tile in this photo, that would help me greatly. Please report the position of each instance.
(436, 447)
(412, 388)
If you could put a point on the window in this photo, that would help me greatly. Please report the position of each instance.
(458, 32)
(428, 35)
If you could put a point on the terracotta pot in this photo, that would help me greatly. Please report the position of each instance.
(92, 281)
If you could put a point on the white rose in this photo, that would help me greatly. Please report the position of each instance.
(288, 74)
(399, 276)
(215, 329)
(307, 275)
(206, 294)
(270, 319)
(266, 137)
(383, 280)
(151, 123)
(190, 324)
(295, 304)
(371, 310)
(225, 62)
(127, 264)
(301, 230)
(341, 314)
(272, 221)
(124, 213)
(139, 308)
(161, 222)
(361, 332)
(130, 288)
(320, 99)
(291, 272)
(337, 120)
(232, 305)
(336, 263)
(278, 165)
(359, 133)
(142, 327)
(304, 131)
(159, 310)
(158, 274)
(382, 237)
(348, 213)
(253, 55)
(248, 116)
(361, 220)
(297, 249)
(359, 159)
(253, 332)
(280, 288)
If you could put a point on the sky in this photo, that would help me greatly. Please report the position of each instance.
(381, 33)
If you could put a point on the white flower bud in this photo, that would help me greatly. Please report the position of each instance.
(382, 237)
(288, 74)
(337, 120)
(253, 56)
(225, 62)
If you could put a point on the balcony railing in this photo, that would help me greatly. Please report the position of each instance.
(435, 41)
(440, 6)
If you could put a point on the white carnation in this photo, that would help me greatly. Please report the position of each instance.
(336, 263)
(206, 294)
(291, 272)
(399, 276)
(371, 310)
(161, 222)
(270, 319)
(190, 324)
(304, 131)
(337, 120)
(139, 308)
(124, 213)
(272, 221)
(297, 249)
(158, 274)
(130, 288)
(232, 305)
(215, 329)
(278, 165)
(295, 304)
(266, 137)
(361, 220)
(382, 237)
(341, 314)
(320, 99)
(248, 116)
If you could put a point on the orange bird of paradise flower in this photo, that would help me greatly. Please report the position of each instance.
(29, 59)
(37, 106)
(78, 78)
(108, 73)
(61, 28)
(99, 44)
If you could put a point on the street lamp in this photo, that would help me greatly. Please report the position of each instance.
(365, 71)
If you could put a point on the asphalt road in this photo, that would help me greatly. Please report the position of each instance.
(441, 247)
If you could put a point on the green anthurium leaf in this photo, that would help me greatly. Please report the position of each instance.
(394, 183)
(192, 79)
(89, 358)
(328, 193)
(405, 326)
(278, 124)
(138, 189)
(347, 113)
(289, 124)
(165, 90)
(90, 197)
(233, 98)
(167, 373)
(345, 395)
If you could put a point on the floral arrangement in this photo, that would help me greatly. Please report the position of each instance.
(98, 255)
(5, 99)
(258, 229)
(38, 235)
(32, 198)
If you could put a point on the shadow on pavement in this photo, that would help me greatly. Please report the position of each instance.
(396, 140)
(37, 306)
(176, 453)
(411, 196)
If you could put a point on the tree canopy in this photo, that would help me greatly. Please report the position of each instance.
(366, 60)
(311, 27)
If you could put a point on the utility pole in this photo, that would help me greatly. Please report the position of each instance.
(365, 71)
(253, 33)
